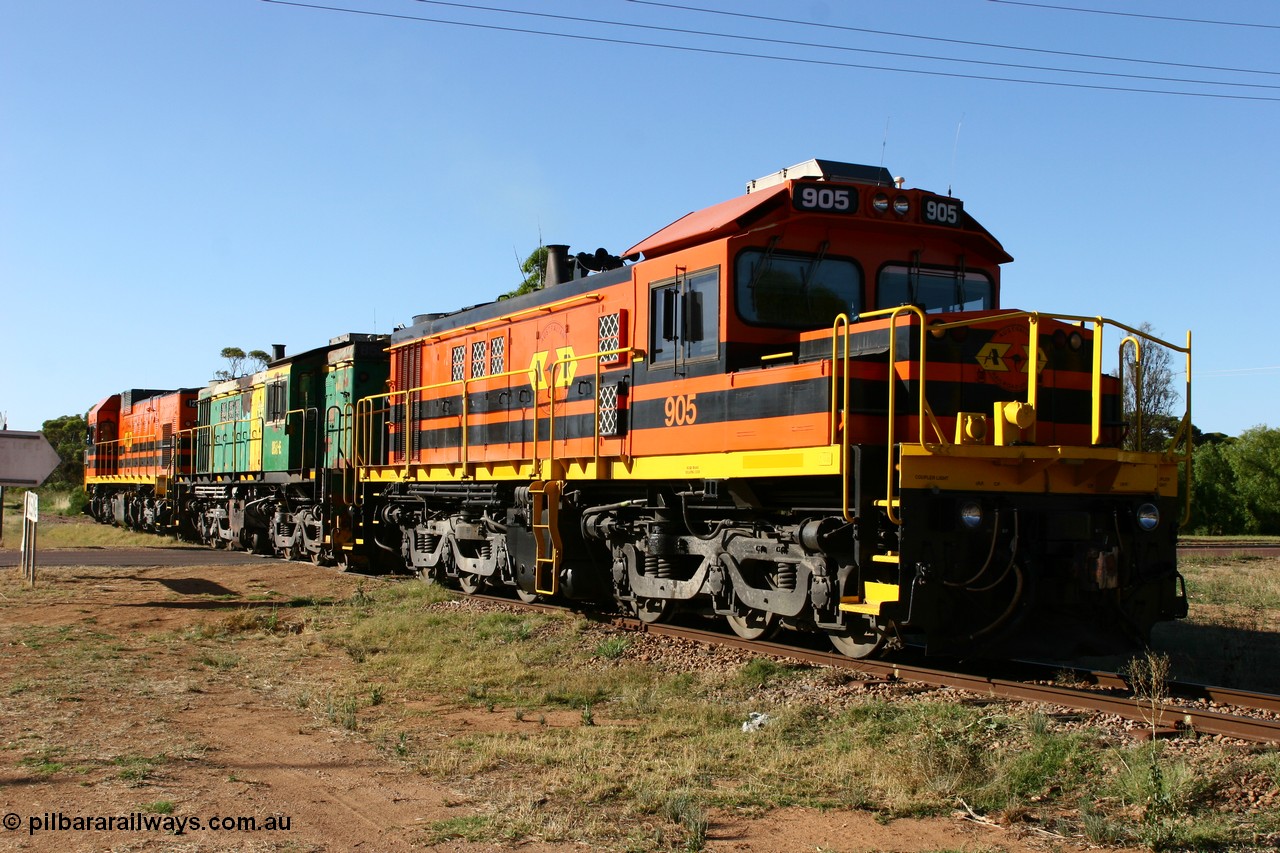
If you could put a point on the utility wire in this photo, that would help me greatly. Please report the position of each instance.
(1057, 8)
(791, 59)
(845, 48)
(943, 40)
(1242, 371)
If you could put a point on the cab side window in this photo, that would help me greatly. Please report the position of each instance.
(684, 318)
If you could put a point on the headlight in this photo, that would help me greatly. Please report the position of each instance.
(880, 204)
(901, 205)
(1148, 516)
(971, 514)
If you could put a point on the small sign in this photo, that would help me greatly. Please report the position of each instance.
(33, 507)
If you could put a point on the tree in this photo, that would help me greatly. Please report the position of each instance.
(235, 361)
(67, 435)
(534, 268)
(1216, 508)
(1237, 483)
(1255, 461)
(1149, 394)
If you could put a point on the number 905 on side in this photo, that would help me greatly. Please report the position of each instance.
(680, 410)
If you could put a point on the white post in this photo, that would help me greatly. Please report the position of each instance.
(30, 517)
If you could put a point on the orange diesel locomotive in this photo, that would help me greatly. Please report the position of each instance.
(134, 455)
(802, 407)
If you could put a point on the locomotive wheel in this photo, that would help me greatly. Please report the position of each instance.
(525, 596)
(289, 552)
(752, 624)
(863, 639)
(317, 557)
(469, 583)
(653, 610)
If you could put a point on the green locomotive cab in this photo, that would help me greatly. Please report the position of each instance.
(270, 448)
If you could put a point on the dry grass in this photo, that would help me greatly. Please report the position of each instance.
(553, 729)
(1232, 635)
(57, 530)
(1235, 581)
(653, 753)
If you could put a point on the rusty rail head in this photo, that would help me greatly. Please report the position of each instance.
(1119, 702)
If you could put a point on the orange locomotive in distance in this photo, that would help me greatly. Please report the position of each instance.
(802, 407)
(134, 454)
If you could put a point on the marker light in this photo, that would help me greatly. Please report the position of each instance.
(971, 514)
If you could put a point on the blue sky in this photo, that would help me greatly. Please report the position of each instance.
(177, 176)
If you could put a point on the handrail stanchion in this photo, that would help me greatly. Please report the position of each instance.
(1137, 384)
(1189, 453)
(1033, 368)
(1096, 415)
(839, 418)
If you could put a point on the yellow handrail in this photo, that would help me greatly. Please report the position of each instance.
(1137, 384)
(551, 374)
(840, 418)
(892, 314)
(841, 329)
(598, 357)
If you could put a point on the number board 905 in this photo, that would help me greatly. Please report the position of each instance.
(943, 211)
(825, 198)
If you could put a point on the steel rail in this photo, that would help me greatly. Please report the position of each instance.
(1243, 547)
(1170, 718)
(1189, 691)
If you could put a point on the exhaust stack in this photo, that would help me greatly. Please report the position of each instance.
(558, 269)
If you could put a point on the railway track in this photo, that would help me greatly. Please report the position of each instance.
(1198, 708)
(1249, 547)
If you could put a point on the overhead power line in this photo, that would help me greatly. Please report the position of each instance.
(845, 48)
(1173, 18)
(1242, 371)
(942, 40)
(770, 57)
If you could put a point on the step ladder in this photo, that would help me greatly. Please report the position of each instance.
(546, 535)
(875, 594)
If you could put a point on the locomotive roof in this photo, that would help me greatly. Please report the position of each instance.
(710, 222)
(350, 341)
(344, 340)
(425, 325)
(768, 195)
(761, 197)
(764, 196)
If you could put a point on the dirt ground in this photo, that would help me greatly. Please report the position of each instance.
(152, 730)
